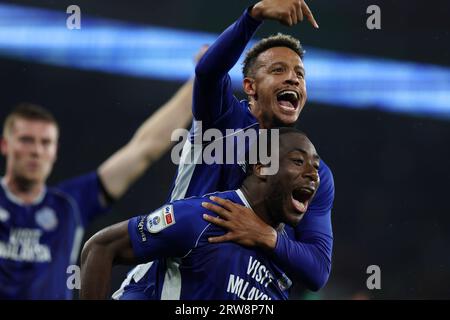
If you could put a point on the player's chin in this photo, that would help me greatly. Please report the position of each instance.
(293, 217)
(38, 176)
(287, 119)
(31, 178)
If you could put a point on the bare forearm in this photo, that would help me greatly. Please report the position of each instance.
(154, 135)
(96, 266)
(150, 142)
(106, 248)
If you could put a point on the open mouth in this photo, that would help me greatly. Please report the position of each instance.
(33, 165)
(288, 99)
(301, 198)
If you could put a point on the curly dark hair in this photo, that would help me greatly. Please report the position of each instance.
(277, 40)
(254, 148)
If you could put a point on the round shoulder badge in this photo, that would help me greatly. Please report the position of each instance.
(4, 215)
(46, 219)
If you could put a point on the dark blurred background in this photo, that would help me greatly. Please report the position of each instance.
(391, 169)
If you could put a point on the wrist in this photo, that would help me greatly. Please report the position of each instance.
(268, 239)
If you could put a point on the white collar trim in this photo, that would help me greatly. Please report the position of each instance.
(19, 201)
(243, 198)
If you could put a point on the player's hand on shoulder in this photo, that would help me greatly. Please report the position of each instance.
(243, 226)
(288, 12)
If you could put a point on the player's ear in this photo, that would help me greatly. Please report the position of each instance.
(3, 146)
(56, 144)
(249, 86)
(258, 171)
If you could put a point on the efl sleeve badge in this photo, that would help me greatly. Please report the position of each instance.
(160, 219)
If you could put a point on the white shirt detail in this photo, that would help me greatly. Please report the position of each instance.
(243, 198)
(19, 201)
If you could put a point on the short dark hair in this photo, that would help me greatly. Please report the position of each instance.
(277, 40)
(255, 146)
(27, 111)
(285, 130)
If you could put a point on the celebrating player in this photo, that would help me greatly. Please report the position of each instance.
(41, 228)
(212, 271)
(274, 81)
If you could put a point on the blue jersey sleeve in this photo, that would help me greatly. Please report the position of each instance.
(85, 190)
(308, 255)
(170, 231)
(213, 96)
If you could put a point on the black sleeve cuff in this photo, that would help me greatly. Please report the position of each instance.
(108, 197)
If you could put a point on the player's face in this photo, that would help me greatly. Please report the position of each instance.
(280, 85)
(293, 187)
(30, 149)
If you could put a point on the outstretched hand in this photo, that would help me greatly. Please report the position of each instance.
(288, 12)
(243, 225)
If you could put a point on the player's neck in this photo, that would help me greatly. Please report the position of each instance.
(25, 190)
(255, 197)
(263, 120)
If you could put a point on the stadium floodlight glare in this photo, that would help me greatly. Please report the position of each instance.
(40, 35)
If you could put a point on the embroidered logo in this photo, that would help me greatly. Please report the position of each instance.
(4, 215)
(46, 219)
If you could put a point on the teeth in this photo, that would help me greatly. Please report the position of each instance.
(306, 190)
(289, 92)
(302, 194)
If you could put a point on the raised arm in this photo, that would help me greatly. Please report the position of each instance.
(212, 90)
(107, 247)
(226, 50)
(213, 94)
(148, 144)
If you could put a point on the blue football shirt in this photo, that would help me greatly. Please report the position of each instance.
(39, 241)
(225, 271)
